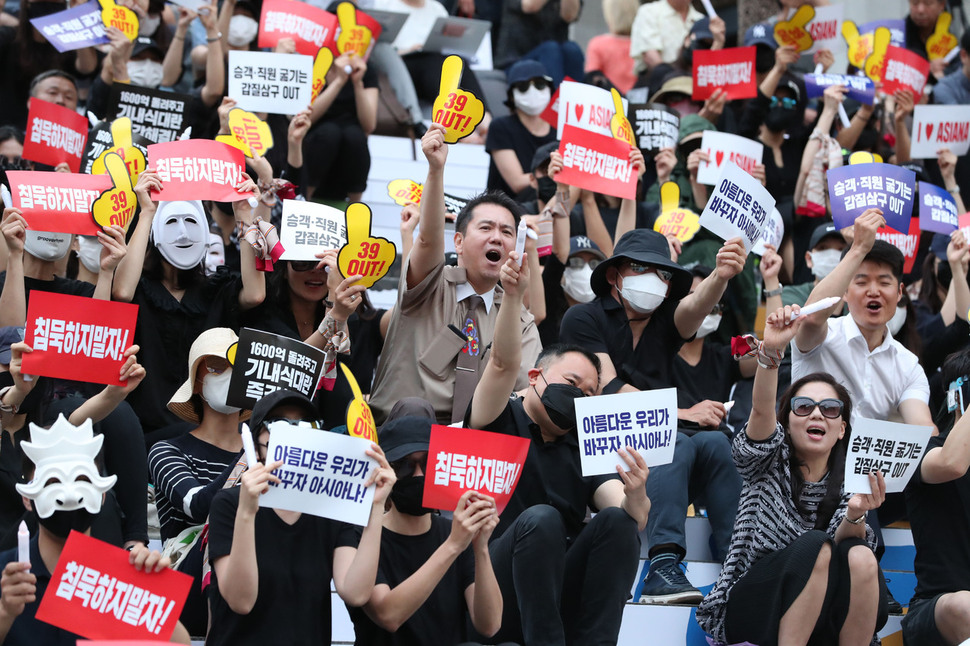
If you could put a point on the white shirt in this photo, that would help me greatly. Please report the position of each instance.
(878, 381)
(465, 290)
(659, 27)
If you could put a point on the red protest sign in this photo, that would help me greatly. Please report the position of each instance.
(964, 224)
(597, 163)
(57, 202)
(96, 593)
(460, 459)
(55, 135)
(908, 243)
(309, 27)
(731, 70)
(551, 114)
(904, 70)
(78, 338)
(197, 169)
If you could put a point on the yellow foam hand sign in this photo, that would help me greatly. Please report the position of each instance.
(941, 41)
(619, 124)
(876, 62)
(859, 46)
(321, 65)
(250, 134)
(459, 111)
(121, 138)
(403, 191)
(863, 157)
(792, 32)
(115, 205)
(363, 254)
(353, 37)
(682, 223)
(121, 18)
(360, 420)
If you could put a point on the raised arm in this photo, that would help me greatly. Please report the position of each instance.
(779, 330)
(215, 67)
(129, 269)
(13, 298)
(172, 63)
(429, 245)
(253, 290)
(832, 100)
(694, 307)
(627, 218)
(113, 251)
(103, 404)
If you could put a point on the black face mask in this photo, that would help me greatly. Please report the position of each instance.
(764, 60)
(406, 496)
(780, 119)
(547, 188)
(559, 400)
(60, 523)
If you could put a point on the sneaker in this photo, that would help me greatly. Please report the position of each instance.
(666, 584)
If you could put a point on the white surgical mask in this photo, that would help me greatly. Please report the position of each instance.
(533, 101)
(145, 73)
(149, 25)
(215, 391)
(824, 261)
(710, 323)
(181, 233)
(48, 246)
(242, 30)
(576, 283)
(896, 322)
(89, 253)
(644, 293)
(215, 254)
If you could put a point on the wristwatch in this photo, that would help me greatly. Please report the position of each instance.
(773, 292)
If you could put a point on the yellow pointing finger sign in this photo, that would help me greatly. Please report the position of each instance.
(859, 46)
(792, 32)
(360, 420)
(321, 65)
(619, 124)
(673, 220)
(459, 111)
(116, 205)
(353, 37)
(876, 61)
(121, 138)
(941, 41)
(403, 191)
(121, 18)
(250, 134)
(363, 255)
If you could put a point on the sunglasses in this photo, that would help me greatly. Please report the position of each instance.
(578, 263)
(538, 83)
(787, 102)
(406, 467)
(803, 407)
(665, 275)
(303, 265)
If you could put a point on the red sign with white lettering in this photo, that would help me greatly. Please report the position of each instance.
(309, 27)
(904, 70)
(460, 459)
(55, 135)
(96, 593)
(57, 202)
(551, 114)
(908, 243)
(197, 169)
(597, 163)
(731, 70)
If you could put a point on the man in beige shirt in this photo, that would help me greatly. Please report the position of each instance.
(442, 326)
(659, 30)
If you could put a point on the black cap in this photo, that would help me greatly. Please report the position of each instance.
(542, 154)
(578, 244)
(403, 436)
(650, 248)
(702, 29)
(143, 43)
(278, 398)
(823, 231)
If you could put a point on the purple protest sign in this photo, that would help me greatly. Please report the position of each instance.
(937, 210)
(860, 88)
(896, 27)
(855, 188)
(75, 28)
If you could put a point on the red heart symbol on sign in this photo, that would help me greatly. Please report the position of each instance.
(719, 156)
(579, 111)
(929, 132)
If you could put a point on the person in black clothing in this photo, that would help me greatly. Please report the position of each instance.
(567, 284)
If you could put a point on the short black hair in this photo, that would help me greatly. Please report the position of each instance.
(955, 366)
(965, 41)
(488, 197)
(9, 132)
(884, 253)
(699, 271)
(557, 350)
(43, 76)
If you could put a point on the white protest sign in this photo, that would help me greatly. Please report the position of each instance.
(772, 233)
(307, 228)
(193, 5)
(270, 82)
(940, 126)
(895, 449)
(323, 473)
(826, 29)
(645, 420)
(587, 107)
(739, 206)
(723, 148)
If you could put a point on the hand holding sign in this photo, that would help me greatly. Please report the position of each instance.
(459, 111)
(673, 220)
(321, 65)
(876, 62)
(119, 17)
(859, 46)
(250, 134)
(941, 41)
(115, 206)
(619, 124)
(121, 138)
(353, 37)
(364, 255)
(792, 32)
(360, 420)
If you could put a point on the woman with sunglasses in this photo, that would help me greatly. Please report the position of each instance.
(801, 568)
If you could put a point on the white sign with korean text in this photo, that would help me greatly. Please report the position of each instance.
(826, 29)
(739, 206)
(308, 228)
(645, 421)
(724, 148)
(895, 449)
(323, 473)
(772, 233)
(271, 82)
(587, 107)
(940, 126)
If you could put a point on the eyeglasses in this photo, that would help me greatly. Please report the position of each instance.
(803, 407)
(786, 102)
(538, 83)
(216, 365)
(303, 265)
(664, 274)
(407, 466)
(578, 263)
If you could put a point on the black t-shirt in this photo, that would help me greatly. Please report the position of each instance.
(602, 326)
(295, 568)
(711, 378)
(552, 475)
(440, 621)
(27, 630)
(556, 303)
(939, 515)
(508, 133)
(59, 285)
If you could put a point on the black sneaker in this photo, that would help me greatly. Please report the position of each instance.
(666, 584)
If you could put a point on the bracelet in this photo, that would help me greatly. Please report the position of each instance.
(177, 37)
(858, 521)
(214, 38)
(771, 359)
(773, 292)
(328, 304)
(8, 408)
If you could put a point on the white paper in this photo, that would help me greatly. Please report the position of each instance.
(323, 474)
(826, 29)
(645, 420)
(895, 449)
(772, 233)
(270, 82)
(722, 148)
(940, 126)
(308, 228)
(587, 107)
(194, 5)
(739, 206)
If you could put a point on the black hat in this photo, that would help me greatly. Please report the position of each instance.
(702, 29)
(403, 436)
(823, 231)
(579, 244)
(542, 154)
(143, 43)
(650, 248)
(278, 398)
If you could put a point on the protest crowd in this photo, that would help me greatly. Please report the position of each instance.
(719, 268)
